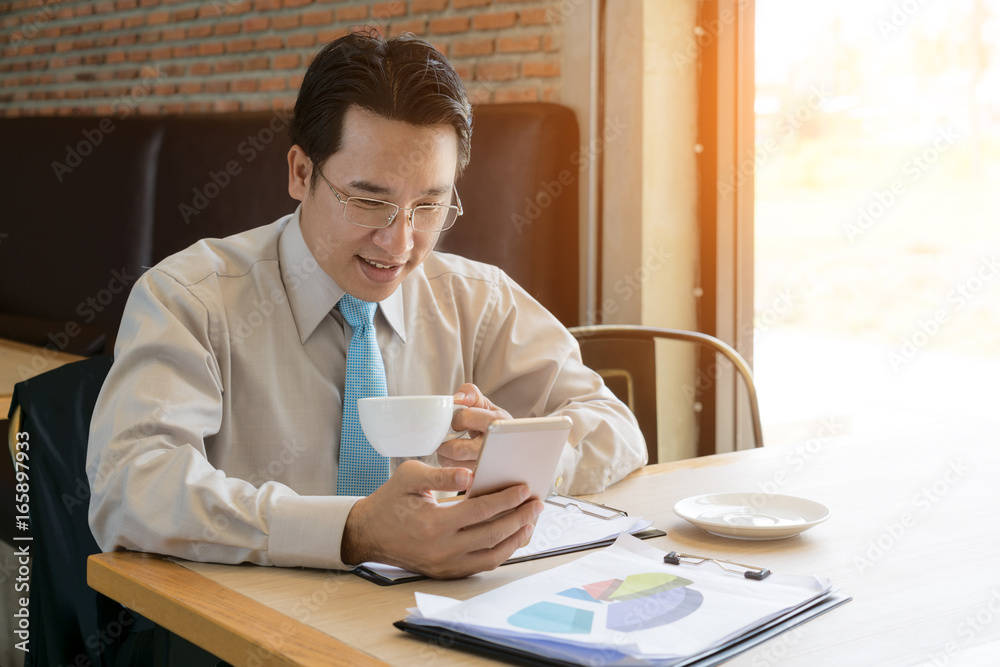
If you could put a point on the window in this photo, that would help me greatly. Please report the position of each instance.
(876, 215)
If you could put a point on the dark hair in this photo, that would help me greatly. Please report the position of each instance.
(403, 79)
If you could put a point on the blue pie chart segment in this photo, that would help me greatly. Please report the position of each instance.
(653, 610)
(552, 617)
(578, 594)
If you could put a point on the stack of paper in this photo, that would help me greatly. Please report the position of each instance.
(624, 606)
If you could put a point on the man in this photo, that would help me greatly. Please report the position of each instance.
(218, 433)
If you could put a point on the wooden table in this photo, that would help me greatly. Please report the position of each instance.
(914, 537)
(19, 361)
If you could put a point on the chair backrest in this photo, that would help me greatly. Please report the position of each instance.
(625, 356)
(67, 616)
(629, 370)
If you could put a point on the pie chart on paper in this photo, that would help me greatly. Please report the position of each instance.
(639, 602)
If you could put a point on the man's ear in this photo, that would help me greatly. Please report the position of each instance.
(299, 173)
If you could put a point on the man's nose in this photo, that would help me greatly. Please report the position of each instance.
(397, 238)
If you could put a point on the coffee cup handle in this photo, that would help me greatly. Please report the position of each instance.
(452, 435)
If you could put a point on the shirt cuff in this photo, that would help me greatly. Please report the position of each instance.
(306, 531)
(565, 469)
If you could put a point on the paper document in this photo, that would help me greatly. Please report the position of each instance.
(557, 528)
(623, 606)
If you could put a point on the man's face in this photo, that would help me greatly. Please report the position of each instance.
(380, 159)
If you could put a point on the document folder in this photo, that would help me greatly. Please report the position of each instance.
(630, 604)
(451, 639)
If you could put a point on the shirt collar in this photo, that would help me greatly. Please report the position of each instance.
(312, 294)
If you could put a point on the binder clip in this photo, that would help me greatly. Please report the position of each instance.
(748, 571)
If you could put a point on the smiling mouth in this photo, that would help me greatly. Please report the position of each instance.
(378, 265)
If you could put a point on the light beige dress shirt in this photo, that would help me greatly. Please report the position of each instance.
(215, 436)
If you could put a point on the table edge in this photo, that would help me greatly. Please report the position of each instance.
(170, 594)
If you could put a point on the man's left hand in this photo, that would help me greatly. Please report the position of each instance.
(480, 413)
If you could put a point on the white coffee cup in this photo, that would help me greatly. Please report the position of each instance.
(406, 426)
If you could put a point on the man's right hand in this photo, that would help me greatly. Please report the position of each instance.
(402, 524)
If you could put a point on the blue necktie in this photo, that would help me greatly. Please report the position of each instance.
(360, 469)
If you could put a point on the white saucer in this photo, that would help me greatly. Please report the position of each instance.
(752, 515)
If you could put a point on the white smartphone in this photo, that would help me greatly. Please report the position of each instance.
(520, 451)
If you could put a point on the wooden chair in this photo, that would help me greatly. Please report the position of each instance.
(624, 355)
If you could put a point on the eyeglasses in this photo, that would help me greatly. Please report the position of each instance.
(379, 214)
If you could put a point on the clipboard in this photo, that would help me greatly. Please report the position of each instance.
(570, 503)
(371, 575)
(448, 637)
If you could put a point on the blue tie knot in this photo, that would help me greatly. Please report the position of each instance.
(358, 313)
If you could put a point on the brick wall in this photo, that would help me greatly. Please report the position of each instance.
(118, 57)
